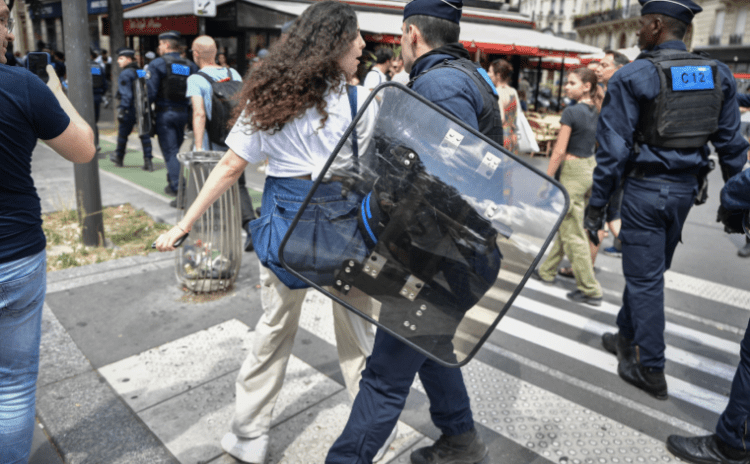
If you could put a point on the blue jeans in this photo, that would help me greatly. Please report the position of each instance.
(23, 284)
(170, 128)
(653, 213)
(382, 394)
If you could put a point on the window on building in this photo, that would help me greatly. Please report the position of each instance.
(719, 23)
(559, 28)
(552, 7)
(739, 26)
(562, 6)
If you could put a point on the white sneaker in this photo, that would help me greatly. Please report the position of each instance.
(250, 450)
(386, 445)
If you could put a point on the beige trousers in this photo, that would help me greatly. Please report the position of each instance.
(262, 373)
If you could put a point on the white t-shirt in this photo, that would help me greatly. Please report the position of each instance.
(401, 78)
(302, 147)
(374, 78)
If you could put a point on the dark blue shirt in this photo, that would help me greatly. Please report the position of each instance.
(125, 86)
(634, 84)
(157, 70)
(28, 111)
(450, 89)
(743, 99)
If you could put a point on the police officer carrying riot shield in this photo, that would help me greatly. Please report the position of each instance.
(166, 80)
(126, 114)
(657, 116)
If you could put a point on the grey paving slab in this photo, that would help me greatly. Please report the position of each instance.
(42, 449)
(191, 424)
(90, 424)
(176, 367)
(59, 357)
(118, 318)
(109, 270)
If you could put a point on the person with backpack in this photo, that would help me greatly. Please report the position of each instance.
(166, 80)
(211, 92)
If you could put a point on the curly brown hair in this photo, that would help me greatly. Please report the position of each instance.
(298, 71)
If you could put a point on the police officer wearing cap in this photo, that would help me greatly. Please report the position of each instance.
(729, 444)
(658, 114)
(126, 109)
(166, 80)
(440, 71)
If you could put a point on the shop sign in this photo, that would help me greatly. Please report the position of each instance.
(187, 25)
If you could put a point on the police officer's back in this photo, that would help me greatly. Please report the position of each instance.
(166, 81)
(657, 116)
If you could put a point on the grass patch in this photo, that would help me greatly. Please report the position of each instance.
(130, 231)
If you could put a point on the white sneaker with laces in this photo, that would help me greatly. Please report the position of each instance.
(250, 450)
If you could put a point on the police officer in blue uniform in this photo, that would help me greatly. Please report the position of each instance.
(729, 444)
(440, 70)
(658, 114)
(126, 109)
(166, 80)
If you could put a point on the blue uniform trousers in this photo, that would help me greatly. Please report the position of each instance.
(124, 130)
(383, 389)
(654, 210)
(170, 128)
(733, 423)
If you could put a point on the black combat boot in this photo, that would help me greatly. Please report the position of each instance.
(647, 379)
(708, 449)
(148, 165)
(617, 345)
(117, 160)
(466, 448)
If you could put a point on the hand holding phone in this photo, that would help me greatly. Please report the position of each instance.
(37, 63)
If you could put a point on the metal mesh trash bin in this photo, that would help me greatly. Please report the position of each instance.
(210, 258)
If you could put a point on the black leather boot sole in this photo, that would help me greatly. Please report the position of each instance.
(652, 382)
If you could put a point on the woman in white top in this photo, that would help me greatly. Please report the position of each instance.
(296, 112)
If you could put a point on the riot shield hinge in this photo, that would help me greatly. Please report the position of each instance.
(374, 265)
(346, 274)
(411, 288)
(489, 165)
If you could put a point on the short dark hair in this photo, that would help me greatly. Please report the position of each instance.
(677, 28)
(436, 32)
(619, 58)
(383, 54)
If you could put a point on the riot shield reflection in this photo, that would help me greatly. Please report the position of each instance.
(438, 209)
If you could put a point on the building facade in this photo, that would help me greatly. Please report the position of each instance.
(553, 16)
(722, 30)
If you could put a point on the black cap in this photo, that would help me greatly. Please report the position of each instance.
(444, 9)
(125, 51)
(684, 10)
(170, 35)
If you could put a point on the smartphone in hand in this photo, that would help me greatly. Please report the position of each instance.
(37, 62)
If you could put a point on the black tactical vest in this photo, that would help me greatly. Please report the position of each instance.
(686, 111)
(174, 85)
(97, 75)
(490, 121)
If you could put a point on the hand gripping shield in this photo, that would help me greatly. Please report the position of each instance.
(143, 117)
(441, 231)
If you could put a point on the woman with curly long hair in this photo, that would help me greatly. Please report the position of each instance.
(294, 111)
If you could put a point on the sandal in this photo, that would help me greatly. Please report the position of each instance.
(566, 272)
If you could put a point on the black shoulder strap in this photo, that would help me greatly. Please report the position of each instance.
(352, 92)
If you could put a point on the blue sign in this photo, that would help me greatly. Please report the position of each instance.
(96, 71)
(687, 78)
(141, 73)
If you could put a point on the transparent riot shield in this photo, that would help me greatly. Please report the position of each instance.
(438, 225)
(143, 117)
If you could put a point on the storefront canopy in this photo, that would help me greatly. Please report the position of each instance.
(490, 38)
